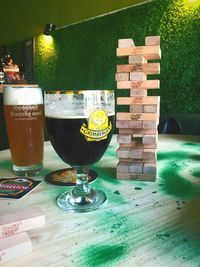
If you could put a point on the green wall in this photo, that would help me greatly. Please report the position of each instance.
(83, 55)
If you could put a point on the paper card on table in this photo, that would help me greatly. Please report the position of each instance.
(16, 188)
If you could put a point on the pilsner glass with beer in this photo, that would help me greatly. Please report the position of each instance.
(24, 117)
(80, 126)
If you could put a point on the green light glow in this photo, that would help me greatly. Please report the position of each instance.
(47, 46)
(180, 14)
(190, 4)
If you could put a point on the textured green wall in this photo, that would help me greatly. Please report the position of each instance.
(83, 55)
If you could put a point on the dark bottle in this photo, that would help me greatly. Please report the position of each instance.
(2, 76)
(6, 58)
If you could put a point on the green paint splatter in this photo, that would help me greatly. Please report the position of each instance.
(108, 174)
(163, 236)
(176, 185)
(117, 222)
(45, 171)
(102, 255)
(6, 164)
(196, 173)
(195, 157)
(138, 188)
(173, 155)
(111, 152)
(194, 145)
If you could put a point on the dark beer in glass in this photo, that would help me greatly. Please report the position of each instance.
(71, 145)
(80, 126)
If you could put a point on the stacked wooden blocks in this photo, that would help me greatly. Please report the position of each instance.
(14, 241)
(138, 134)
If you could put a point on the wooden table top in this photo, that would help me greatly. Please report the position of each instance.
(142, 224)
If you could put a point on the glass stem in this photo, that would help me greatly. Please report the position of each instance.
(82, 187)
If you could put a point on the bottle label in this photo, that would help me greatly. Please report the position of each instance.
(98, 126)
(26, 112)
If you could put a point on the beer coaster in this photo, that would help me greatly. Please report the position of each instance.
(16, 187)
(67, 177)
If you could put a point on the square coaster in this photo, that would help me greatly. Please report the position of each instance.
(16, 187)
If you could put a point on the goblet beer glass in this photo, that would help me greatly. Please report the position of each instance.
(80, 126)
(24, 117)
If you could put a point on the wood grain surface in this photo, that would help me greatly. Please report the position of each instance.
(142, 223)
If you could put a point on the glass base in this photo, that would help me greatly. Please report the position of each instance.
(32, 170)
(69, 202)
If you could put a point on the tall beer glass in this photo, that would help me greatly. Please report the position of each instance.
(80, 126)
(24, 117)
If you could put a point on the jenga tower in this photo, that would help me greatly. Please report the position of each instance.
(138, 133)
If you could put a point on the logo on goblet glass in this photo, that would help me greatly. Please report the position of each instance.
(98, 126)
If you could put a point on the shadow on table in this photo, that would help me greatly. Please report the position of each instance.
(108, 174)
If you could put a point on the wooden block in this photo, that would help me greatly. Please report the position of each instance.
(148, 100)
(149, 139)
(135, 124)
(137, 131)
(146, 84)
(125, 43)
(149, 52)
(123, 152)
(137, 76)
(150, 124)
(123, 167)
(136, 108)
(136, 59)
(149, 154)
(149, 168)
(151, 108)
(151, 68)
(131, 160)
(136, 153)
(138, 92)
(152, 40)
(136, 167)
(137, 116)
(134, 144)
(124, 138)
(136, 176)
(120, 76)
(14, 246)
(148, 68)
(21, 221)
(123, 124)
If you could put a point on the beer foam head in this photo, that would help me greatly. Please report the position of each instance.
(23, 95)
(78, 104)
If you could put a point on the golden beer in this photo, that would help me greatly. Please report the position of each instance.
(24, 117)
